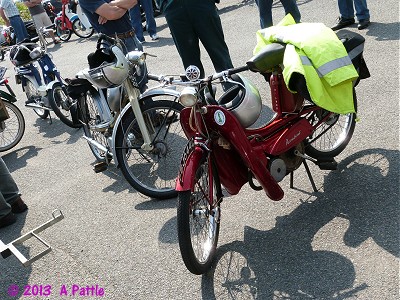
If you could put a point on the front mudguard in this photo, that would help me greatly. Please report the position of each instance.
(192, 157)
(128, 107)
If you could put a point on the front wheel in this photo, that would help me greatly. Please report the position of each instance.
(198, 218)
(61, 103)
(63, 34)
(81, 30)
(153, 172)
(333, 135)
(34, 96)
(11, 129)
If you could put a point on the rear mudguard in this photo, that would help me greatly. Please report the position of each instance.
(225, 123)
(128, 107)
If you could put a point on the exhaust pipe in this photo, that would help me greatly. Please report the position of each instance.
(34, 105)
(97, 145)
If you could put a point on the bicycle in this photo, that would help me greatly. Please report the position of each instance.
(12, 121)
(139, 132)
(45, 90)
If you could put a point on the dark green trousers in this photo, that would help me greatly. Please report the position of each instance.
(191, 21)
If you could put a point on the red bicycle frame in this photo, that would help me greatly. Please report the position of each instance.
(65, 22)
(248, 149)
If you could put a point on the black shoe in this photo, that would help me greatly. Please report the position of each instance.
(7, 220)
(18, 206)
(342, 23)
(362, 24)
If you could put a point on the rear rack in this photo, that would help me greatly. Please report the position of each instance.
(7, 250)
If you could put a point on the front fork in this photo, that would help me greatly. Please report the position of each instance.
(134, 94)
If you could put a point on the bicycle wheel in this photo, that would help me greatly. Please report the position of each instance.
(333, 135)
(152, 173)
(32, 93)
(198, 220)
(81, 30)
(63, 34)
(60, 102)
(90, 117)
(12, 129)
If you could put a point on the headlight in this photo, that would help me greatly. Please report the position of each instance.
(188, 97)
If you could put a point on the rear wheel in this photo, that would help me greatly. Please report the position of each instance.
(90, 117)
(81, 30)
(198, 217)
(333, 135)
(153, 172)
(63, 34)
(33, 94)
(61, 103)
(11, 129)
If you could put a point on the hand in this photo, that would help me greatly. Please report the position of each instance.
(102, 20)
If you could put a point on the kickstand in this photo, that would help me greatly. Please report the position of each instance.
(51, 119)
(309, 177)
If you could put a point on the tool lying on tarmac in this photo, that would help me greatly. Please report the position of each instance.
(7, 250)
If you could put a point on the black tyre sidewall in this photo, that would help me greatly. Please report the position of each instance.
(56, 109)
(127, 119)
(21, 122)
(80, 35)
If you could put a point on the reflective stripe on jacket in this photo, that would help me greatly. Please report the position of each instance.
(315, 51)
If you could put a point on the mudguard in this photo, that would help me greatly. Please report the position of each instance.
(193, 155)
(128, 107)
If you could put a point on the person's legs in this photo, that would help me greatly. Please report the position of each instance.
(19, 28)
(291, 7)
(184, 35)
(362, 11)
(346, 9)
(136, 21)
(207, 24)
(8, 187)
(47, 22)
(265, 12)
(151, 26)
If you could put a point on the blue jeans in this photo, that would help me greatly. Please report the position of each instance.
(347, 11)
(19, 28)
(136, 18)
(9, 191)
(265, 9)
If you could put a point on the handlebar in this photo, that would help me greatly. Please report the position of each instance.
(163, 79)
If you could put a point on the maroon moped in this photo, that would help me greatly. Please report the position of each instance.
(223, 152)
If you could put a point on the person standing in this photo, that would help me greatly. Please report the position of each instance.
(39, 16)
(346, 10)
(136, 19)
(112, 18)
(191, 21)
(11, 16)
(10, 197)
(265, 9)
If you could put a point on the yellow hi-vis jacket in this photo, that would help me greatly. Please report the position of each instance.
(315, 51)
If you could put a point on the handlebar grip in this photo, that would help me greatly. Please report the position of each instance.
(153, 77)
(237, 70)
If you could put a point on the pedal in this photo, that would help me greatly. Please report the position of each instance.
(327, 165)
(100, 167)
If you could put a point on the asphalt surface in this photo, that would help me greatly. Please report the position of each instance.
(339, 243)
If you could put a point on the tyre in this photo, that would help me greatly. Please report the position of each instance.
(90, 117)
(332, 136)
(152, 173)
(12, 129)
(32, 93)
(60, 102)
(63, 34)
(81, 30)
(198, 220)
